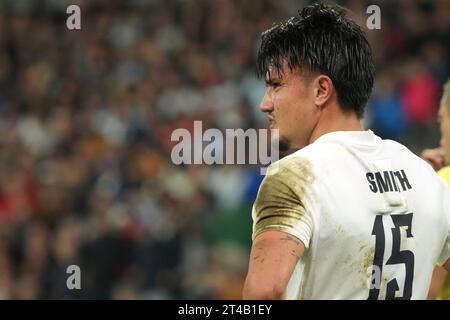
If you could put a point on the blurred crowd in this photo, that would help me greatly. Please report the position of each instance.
(86, 118)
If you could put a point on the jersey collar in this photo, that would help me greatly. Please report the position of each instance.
(355, 137)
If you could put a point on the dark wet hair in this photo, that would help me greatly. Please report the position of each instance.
(322, 39)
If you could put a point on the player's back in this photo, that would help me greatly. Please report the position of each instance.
(374, 219)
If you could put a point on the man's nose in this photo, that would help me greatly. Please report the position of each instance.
(266, 103)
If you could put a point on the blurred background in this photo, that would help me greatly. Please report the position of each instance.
(85, 124)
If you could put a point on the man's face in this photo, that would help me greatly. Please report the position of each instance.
(444, 120)
(290, 107)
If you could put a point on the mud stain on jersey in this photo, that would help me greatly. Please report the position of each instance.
(281, 199)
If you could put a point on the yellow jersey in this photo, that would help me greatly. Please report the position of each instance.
(445, 173)
(445, 292)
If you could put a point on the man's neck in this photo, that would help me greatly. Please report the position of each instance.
(338, 123)
(330, 123)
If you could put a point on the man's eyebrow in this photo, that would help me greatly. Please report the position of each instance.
(272, 81)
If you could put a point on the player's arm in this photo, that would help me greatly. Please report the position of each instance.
(437, 282)
(272, 260)
(447, 265)
(435, 157)
(282, 228)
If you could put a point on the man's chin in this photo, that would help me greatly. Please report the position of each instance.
(283, 144)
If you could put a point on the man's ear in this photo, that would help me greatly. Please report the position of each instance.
(323, 90)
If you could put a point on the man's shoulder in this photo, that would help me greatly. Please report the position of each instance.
(399, 147)
(317, 151)
(308, 158)
(295, 164)
(420, 168)
(409, 158)
(331, 152)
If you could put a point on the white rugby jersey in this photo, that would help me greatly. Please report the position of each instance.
(374, 217)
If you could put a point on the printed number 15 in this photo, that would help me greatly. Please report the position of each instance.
(398, 256)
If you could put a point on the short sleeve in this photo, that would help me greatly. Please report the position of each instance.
(281, 201)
